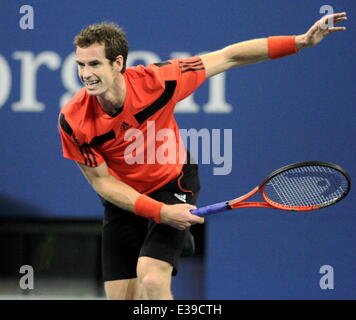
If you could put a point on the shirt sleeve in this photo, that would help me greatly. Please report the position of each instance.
(188, 74)
(191, 74)
(76, 150)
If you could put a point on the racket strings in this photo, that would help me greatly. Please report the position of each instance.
(306, 186)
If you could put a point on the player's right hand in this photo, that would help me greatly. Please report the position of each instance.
(178, 216)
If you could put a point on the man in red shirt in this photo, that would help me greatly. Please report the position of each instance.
(120, 130)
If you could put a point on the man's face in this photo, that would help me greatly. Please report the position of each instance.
(95, 70)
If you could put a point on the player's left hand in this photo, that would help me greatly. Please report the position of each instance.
(321, 29)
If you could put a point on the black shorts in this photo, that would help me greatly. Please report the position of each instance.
(126, 236)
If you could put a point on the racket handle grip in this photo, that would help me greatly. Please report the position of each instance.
(214, 208)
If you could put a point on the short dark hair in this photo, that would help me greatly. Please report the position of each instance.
(110, 35)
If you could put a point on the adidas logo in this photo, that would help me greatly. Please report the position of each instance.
(124, 126)
(181, 196)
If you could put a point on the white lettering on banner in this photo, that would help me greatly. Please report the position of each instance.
(30, 63)
(29, 67)
(217, 103)
(70, 79)
(5, 80)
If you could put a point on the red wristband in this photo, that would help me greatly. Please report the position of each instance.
(281, 46)
(148, 207)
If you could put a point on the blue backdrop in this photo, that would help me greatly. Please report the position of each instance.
(294, 109)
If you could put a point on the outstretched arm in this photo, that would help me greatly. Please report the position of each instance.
(257, 50)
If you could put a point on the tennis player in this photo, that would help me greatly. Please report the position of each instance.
(104, 128)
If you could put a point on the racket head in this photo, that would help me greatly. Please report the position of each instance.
(306, 186)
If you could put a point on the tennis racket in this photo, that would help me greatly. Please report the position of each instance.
(298, 187)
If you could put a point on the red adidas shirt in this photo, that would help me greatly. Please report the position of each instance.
(141, 145)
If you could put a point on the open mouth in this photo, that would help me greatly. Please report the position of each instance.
(91, 85)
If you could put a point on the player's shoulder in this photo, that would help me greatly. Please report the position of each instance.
(140, 72)
(76, 103)
(166, 69)
(75, 111)
(153, 70)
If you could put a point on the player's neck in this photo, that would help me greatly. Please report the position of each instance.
(113, 100)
